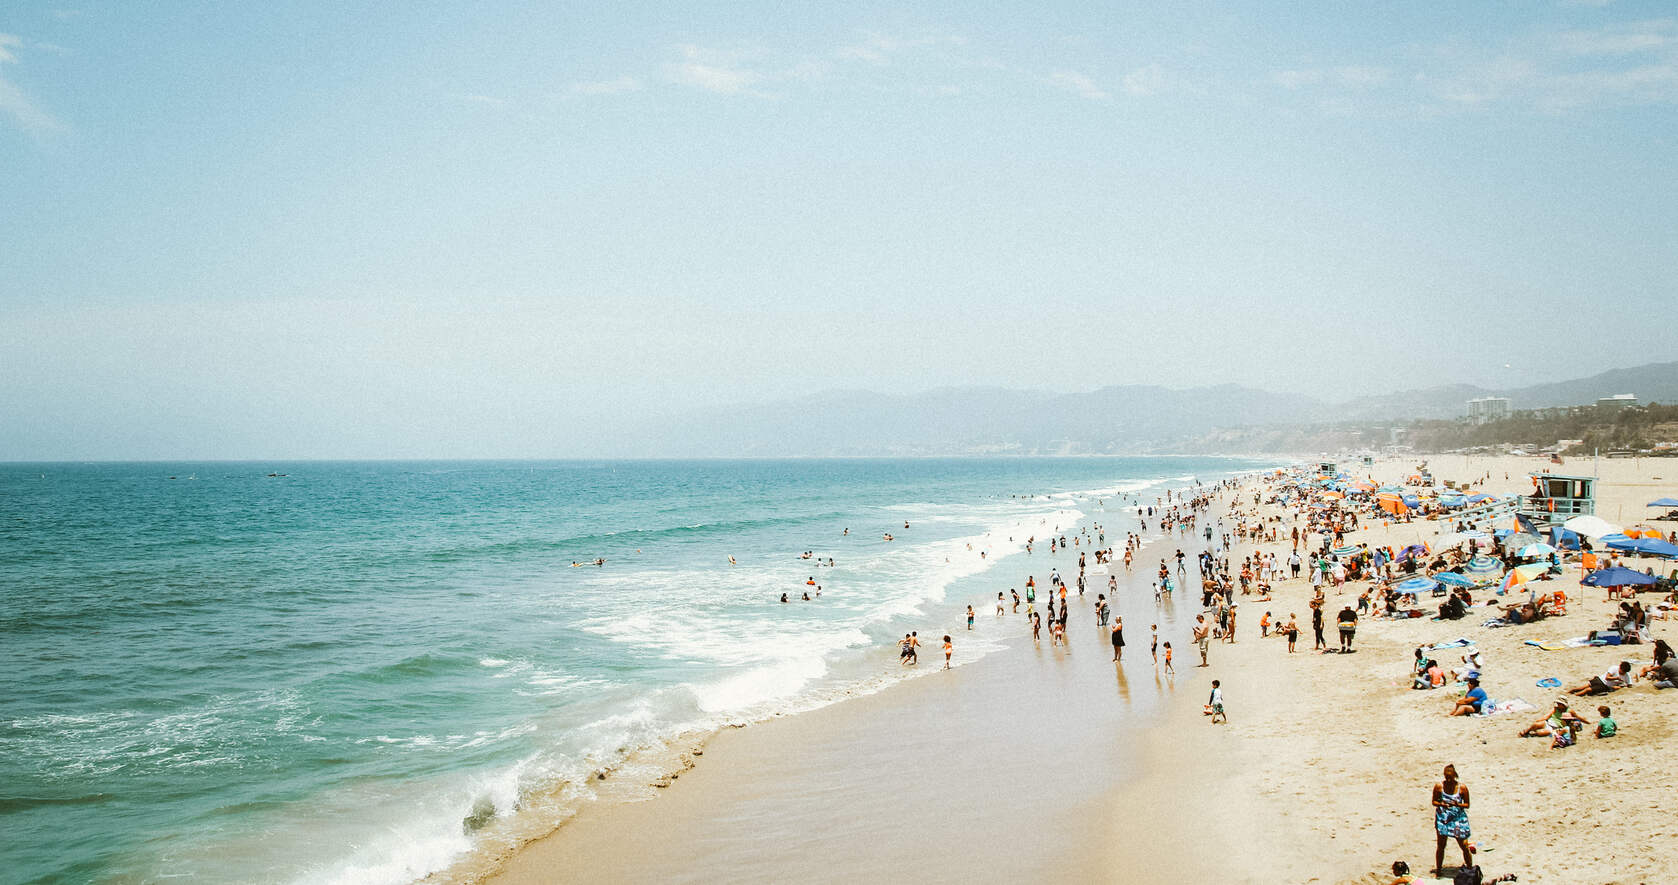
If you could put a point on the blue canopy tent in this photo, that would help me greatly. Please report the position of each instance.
(1563, 539)
(1618, 576)
(1644, 547)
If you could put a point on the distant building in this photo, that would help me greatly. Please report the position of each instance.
(1487, 409)
(1612, 404)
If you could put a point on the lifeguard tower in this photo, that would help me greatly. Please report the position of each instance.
(1555, 498)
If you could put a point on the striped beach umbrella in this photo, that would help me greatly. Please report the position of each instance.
(1484, 565)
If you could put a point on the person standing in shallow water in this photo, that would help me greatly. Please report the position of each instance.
(1118, 638)
(1450, 818)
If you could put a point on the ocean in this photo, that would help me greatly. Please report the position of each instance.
(366, 672)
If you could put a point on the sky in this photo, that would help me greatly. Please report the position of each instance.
(365, 230)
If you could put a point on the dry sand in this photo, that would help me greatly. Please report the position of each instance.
(1046, 764)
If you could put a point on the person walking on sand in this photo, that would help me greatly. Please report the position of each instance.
(1202, 637)
(1348, 621)
(1450, 819)
(1293, 631)
(1215, 703)
(1118, 638)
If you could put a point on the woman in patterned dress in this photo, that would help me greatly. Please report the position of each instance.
(1450, 818)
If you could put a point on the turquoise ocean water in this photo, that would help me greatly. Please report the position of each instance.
(213, 673)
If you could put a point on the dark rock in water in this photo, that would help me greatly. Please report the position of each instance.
(483, 811)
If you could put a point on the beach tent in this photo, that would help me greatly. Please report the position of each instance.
(1564, 539)
(1618, 576)
(1644, 547)
(1415, 586)
(1594, 527)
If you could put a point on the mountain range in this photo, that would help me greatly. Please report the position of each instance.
(1127, 419)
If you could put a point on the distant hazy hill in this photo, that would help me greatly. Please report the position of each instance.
(1655, 382)
(1131, 418)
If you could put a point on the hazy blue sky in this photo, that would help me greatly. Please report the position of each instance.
(232, 229)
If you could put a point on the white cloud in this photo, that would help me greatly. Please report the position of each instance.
(1296, 79)
(14, 102)
(1072, 81)
(1361, 75)
(606, 87)
(1627, 39)
(1146, 80)
(879, 49)
(714, 72)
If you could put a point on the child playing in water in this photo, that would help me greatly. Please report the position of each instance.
(1168, 668)
(950, 649)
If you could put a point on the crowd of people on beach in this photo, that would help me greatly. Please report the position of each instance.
(1292, 535)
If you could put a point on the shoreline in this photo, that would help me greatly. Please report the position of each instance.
(912, 700)
(1321, 776)
(653, 772)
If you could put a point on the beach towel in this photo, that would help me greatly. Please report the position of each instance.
(1460, 642)
(1498, 708)
(1562, 644)
(1549, 682)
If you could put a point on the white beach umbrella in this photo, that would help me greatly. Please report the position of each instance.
(1593, 527)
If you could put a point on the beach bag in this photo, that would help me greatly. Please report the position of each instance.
(1468, 876)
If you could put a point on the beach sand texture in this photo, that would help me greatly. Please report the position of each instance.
(1045, 764)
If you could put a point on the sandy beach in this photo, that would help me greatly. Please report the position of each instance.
(1057, 764)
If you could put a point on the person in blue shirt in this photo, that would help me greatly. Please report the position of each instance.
(1473, 702)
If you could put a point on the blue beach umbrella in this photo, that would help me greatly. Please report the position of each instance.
(1618, 576)
(1664, 502)
(1452, 579)
(1414, 586)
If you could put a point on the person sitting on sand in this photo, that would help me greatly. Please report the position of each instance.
(1560, 717)
(1615, 679)
(1471, 703)
(1663, 653)
(1606, 727)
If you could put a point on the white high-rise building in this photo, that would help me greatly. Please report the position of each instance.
(1488, 408)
